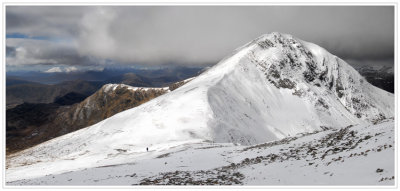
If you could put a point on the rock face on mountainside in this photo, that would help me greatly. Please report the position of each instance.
(109, 100)
(299, 63)
(273, 87)
(31, 124)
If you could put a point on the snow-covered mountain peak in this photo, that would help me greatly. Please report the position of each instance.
(309, 70)
(271, 88)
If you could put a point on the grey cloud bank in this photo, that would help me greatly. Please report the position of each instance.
(191, 36)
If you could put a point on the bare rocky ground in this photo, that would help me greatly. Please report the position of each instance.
(337, 146)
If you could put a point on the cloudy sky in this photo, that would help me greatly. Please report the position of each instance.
(71, 38)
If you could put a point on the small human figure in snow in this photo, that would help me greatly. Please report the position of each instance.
(147, 149)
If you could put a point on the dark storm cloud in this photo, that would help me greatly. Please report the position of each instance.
(199, 35)
(360, 33)
(54, 21)
(10, 51)
(41, 52)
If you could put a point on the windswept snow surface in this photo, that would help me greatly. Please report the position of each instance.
(273, 87)
(357, 155)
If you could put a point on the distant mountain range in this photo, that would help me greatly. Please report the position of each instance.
(165, 75)
(382, 77)
(40, 87)
(32, 92)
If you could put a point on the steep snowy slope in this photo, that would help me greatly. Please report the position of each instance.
(273, 87)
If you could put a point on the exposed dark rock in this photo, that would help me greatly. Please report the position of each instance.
(286, 83)
(265, 44)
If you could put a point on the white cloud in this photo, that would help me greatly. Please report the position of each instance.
(71, 69)
(62, 69)
(94, 35)
(54, 70)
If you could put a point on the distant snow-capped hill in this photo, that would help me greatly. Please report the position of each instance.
(273, 87)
